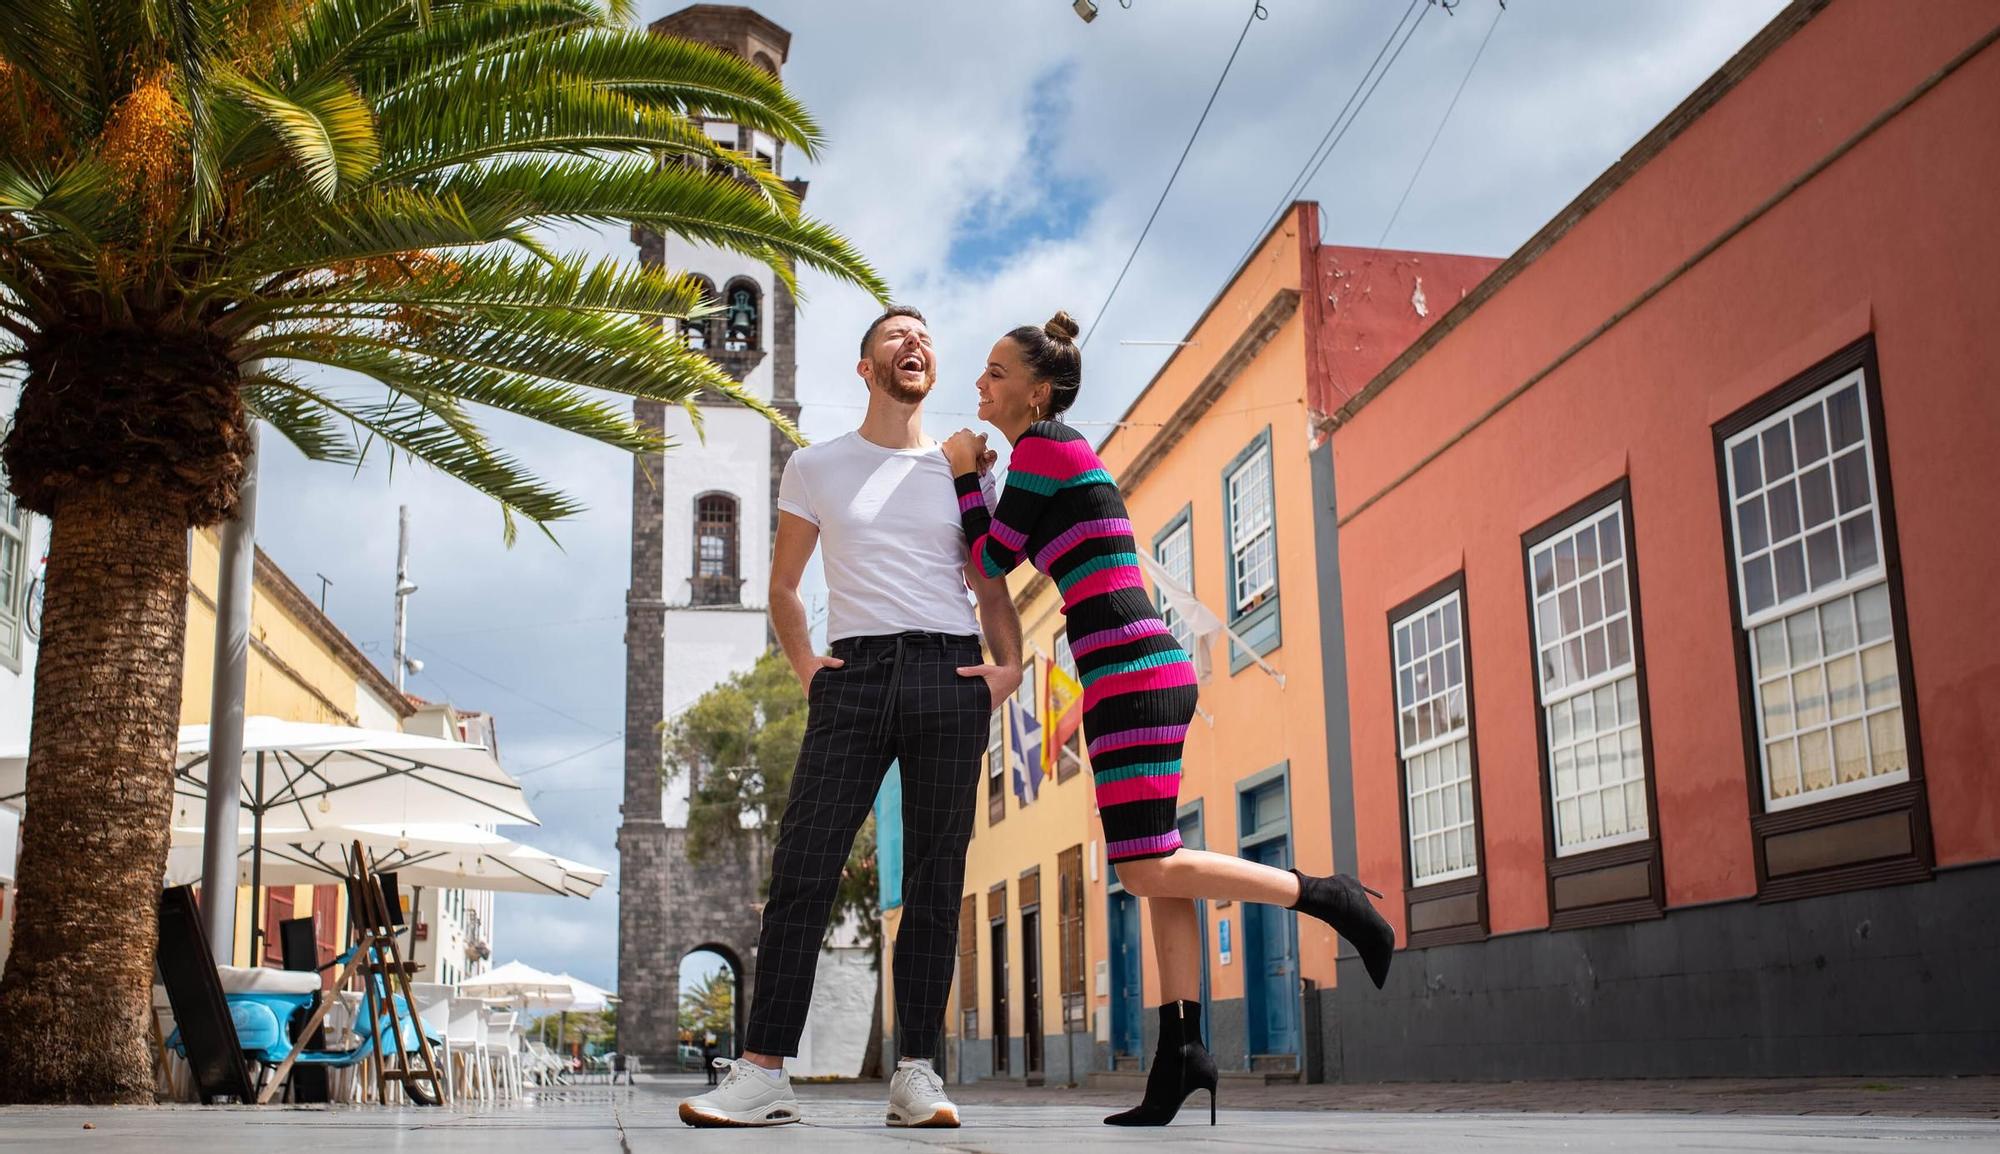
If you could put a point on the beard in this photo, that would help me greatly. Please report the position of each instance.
(892, 385)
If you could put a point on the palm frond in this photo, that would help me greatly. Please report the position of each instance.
(413, 429)
(479, 284)
(706, 207)
(327, 128)
(301, 416)
(487, 115)
(660, 73)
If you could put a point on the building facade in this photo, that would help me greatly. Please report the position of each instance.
(1673, 722)
(703, 517)
(1222, 478)
(301, 667)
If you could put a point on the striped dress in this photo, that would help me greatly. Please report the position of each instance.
(1062, 509)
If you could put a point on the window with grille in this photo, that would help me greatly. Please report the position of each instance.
(1589, 682)
(996, 766)
(1813, 598)
(716, 581)
(1175, 553)
(1435, 738)
(1252, 535)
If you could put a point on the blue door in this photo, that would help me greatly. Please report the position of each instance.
(1270, 966)
(1127, 1027)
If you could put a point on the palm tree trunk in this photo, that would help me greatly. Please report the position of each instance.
(77, 993)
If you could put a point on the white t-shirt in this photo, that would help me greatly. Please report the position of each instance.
(890, 538)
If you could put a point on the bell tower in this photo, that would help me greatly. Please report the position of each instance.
(702, 524)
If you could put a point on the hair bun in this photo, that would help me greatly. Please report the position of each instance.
(1062, 327)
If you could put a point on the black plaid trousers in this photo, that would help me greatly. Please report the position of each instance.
(897, 698)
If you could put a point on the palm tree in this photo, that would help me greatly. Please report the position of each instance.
(327, 215)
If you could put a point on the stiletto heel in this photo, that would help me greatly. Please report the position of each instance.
(1181, 1066)
(1339, 902)
(1372, 892)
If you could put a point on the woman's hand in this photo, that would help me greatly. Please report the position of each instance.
(964, 451)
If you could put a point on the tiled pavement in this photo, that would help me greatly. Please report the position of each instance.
(1834, 1116)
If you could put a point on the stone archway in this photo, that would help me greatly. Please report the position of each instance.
(732, 1045)
(669, 907)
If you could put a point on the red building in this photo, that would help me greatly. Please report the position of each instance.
(1670, 626)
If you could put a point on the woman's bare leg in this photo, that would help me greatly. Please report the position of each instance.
(1193, 873)
(1177, 942)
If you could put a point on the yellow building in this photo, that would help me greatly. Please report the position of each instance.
(1230, 491)
(301, 668)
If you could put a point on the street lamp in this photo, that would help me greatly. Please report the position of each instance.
(1085, 9)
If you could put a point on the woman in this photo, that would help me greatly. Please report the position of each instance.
(1062, 509)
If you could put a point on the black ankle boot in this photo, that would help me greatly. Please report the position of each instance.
(1342, 903)
(1180, 1067)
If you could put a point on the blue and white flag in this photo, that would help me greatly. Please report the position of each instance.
(1024, 752)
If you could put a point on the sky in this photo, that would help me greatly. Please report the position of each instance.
(996, 162)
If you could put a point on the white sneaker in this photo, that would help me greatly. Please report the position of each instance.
(748, 1096)
(916, 1098)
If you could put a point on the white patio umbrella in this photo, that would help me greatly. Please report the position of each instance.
(521, 982)
(586, 998)
(461, 857)
(306, 776)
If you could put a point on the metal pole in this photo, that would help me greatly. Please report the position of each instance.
(258, 941)
(225, 713)
(403, 589)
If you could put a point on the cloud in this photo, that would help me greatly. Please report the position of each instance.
(996, 162)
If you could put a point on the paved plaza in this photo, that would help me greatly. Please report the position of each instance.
(1830, 1115)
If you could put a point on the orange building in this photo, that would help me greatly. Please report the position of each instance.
(1673, 719)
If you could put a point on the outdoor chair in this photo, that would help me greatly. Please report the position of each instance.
(298, 939)
(503, 1037)
(392, 1039)
(465, 1044)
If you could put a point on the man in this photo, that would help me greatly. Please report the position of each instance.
(905, 682)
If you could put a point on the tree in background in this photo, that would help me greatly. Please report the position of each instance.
(205, 205)
(710, 1008)
(739, 743)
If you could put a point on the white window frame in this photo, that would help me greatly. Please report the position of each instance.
(1779, 622)
(1565, 701)
(1421, 742)
(1252, 521)
(1180, 538)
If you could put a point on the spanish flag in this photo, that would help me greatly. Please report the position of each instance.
(1062, 706)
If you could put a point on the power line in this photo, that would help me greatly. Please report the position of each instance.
(570, 757)
(1299, 180)
(1257, 13)
(1444, 120)
(531, 700)
(1368, 283)
(1366, 97)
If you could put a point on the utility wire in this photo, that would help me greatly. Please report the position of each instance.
(1368, 284)
(530, 699)
(1446, 119)
(1299, 180)
(1366, 97)
(1257, 12)
(570, 757)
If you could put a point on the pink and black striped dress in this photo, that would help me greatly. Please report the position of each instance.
(1062, 509)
